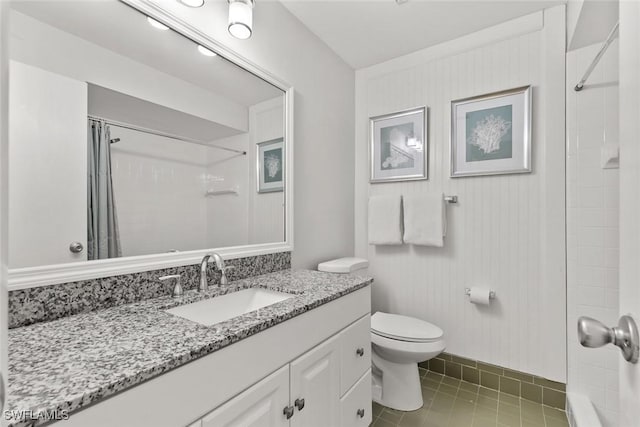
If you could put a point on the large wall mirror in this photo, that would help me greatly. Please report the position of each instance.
(133, 142)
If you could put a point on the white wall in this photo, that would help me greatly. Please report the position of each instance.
(592, 225)
(266, 210)
(324, 111)
(48, 173)
(228, 214)
(506, 232)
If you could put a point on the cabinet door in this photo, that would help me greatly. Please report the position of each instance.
(355, 342)
(315, 377)
(261, 405)
(355, 406)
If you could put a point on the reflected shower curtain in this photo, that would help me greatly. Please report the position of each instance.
(103, 239)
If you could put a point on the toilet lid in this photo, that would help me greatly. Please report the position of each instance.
(404, 328)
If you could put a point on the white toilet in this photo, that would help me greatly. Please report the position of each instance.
(398, 344)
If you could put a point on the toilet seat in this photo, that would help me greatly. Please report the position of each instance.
(404, 328)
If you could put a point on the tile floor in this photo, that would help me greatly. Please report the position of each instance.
(449, 402)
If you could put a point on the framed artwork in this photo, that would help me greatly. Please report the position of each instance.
(491, 134)
(270, 166)
(398, 147)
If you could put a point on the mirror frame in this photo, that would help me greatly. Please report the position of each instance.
(21, 278)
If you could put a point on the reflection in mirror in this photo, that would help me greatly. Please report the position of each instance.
(131, 139)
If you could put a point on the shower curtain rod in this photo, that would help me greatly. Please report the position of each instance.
(163, 134)
(612, 35)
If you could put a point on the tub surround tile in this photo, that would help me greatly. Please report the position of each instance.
(46, 303)
(72, 362)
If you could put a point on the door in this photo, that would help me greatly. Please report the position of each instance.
(315, 386)
(261, 405)
(47, 153)
(629, 374)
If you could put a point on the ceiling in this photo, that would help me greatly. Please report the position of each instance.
(121, 29)
(367, 32)
(125, 108)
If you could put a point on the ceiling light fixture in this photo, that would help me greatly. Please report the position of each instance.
(240, 18)
(156, 24)
(192, 3)
(206, 52)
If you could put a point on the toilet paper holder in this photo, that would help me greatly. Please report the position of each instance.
(492, 294)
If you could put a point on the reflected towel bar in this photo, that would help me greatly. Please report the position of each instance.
(220, 192)
(451, 199)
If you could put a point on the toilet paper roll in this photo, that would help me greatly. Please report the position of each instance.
(480, 296)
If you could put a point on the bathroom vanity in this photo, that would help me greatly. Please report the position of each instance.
(303, 361)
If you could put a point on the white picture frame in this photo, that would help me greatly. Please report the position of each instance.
(399, 146)
(491, 134)
(270, 158)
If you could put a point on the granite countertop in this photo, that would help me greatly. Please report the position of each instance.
(70, 363)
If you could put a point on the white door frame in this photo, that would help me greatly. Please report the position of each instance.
(629, 375)
(4, 148)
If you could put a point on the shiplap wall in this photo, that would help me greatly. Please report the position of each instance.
(506, 232)
(592, 225)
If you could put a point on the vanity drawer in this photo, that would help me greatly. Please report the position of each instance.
(355, 342)
(355, 406)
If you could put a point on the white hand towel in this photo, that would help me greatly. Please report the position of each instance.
(385, 222)
(424, 220)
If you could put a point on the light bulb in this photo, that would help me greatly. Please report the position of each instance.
(206, 52)
(192, 3)
(240, 18)
(156, 24)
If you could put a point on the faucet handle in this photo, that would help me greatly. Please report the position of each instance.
(177, 288)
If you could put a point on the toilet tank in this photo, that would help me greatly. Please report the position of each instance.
(354, 266)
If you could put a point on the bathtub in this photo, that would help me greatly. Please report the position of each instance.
(580, 411)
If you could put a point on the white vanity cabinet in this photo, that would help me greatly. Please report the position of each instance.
(315, 386)
(307, 392)
(322, 356)
(260, 406)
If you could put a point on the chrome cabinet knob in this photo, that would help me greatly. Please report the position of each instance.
(360, 351)
(593, 333)
(76, 247)
(360, 413)
(288, 411)
(299, 404)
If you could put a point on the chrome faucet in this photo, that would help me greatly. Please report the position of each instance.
(219, 265)
(204, 285)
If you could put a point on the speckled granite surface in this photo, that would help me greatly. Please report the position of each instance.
(74, 361)
(28, 306)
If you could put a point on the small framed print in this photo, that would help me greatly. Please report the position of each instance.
(491, 134)
(270, 166)
(398, 147)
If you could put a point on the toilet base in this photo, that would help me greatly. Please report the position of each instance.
(401, 388)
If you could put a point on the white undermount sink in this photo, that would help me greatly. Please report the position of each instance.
(218, 309)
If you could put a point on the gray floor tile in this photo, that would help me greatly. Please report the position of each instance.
(449, 402)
